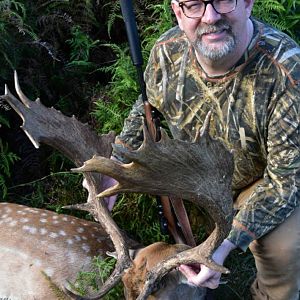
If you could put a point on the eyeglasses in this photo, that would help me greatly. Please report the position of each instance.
(195, 9)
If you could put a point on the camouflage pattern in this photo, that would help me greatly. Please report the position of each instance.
(255, 111)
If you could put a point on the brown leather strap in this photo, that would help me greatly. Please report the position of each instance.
(171, 220)
(183, 220)
(186, 236)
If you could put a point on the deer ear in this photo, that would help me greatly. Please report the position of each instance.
(112, 254)
(134, 252)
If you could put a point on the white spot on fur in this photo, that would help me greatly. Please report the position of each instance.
(65, 219)
(84, 238)
(49, 272)
(61, 232)
(80, 229)
(37, 263)
(13, 223)
(7, 220)
(55, 222)
(43, 220)
(86, 248)
(53, 235)
(20, 212)
(54, 217)
(32, 210)
(24, 220)
(70, 242)
(77, 238)
(44, 214)
(8, 210)
(43, 231)
(30, 229)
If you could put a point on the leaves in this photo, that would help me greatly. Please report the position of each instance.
(282, 14)
(7, 159)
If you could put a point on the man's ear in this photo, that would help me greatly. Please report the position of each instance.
(249, 5)
(178, 13)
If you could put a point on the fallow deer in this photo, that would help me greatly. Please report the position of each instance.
(199, 172)
(42, 253)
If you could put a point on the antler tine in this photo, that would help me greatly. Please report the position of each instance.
(199, 255)
(13, 102)
(79, 143)
(19, 91)
(120, 244)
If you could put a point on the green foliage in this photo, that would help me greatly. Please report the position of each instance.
(81, 45)
(89, 281)
(282, 14)
(137, 214)
(161, 19)
(13, 28)
(114, 104)
(7, 159)
(113, 15)
(120, 95)
(3, 120)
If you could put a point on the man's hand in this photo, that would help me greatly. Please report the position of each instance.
(202, 276)
(107, 183)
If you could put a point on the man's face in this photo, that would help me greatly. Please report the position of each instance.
(215, 35)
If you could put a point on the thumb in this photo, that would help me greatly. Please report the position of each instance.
(206, 278)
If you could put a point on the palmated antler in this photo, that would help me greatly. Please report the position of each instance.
(200, 172)
(79, 143)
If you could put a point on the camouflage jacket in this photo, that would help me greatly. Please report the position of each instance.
(255, 112)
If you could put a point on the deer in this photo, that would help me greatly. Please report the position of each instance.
(45, 252)
(42, 251)
(199, 172)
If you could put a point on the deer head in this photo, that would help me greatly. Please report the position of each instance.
(199, 172)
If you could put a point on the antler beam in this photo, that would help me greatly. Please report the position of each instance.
(79, 143)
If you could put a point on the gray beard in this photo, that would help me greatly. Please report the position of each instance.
(213, 53)
(210, 51)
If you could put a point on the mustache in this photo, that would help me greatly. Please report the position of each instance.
(219, 25)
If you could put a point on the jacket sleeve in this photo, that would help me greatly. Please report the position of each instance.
(131, 135)
(275, 199)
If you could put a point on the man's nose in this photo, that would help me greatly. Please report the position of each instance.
(210, 16)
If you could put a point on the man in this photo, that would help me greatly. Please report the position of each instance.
(218, 58)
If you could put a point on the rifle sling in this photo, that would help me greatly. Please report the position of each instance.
(183, 220)
(177, 203)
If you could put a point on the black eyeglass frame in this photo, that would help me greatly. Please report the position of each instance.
(182, 5)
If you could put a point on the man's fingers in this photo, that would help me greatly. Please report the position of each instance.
(187, 271)
(110, 201)
(206, 277)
